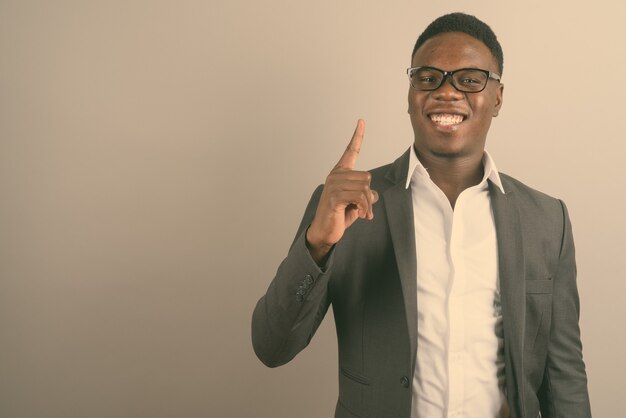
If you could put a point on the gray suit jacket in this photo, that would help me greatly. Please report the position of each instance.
(370, 279)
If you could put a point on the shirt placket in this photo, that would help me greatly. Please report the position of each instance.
(457, 312)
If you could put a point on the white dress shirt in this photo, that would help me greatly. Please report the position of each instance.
(459, 368)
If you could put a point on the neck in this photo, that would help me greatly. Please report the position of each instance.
(453, 175)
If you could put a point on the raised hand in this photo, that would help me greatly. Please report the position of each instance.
(346, 197)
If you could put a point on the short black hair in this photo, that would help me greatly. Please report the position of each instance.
(471, 25)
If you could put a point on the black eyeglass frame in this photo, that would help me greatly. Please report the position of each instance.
(489, 75)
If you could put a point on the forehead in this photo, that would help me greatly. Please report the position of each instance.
(452, 50)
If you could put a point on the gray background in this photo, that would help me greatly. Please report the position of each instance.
(156, 157)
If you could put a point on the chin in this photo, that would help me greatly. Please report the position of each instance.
(449, 145)
(444, 147)
(443, 153)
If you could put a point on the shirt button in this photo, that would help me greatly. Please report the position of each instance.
(405, 381)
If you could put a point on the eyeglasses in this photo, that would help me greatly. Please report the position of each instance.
(466, 80)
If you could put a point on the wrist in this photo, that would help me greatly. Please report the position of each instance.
(317, 247)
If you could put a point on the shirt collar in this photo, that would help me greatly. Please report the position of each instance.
(491, 171)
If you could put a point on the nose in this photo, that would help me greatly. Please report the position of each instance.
(447, 91)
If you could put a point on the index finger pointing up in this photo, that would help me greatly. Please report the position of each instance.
(348, 159)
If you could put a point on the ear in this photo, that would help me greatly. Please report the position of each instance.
(498, 105)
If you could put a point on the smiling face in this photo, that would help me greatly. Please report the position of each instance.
(446, 122)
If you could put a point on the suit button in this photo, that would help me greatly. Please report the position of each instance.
(405, 381)
(308, 280)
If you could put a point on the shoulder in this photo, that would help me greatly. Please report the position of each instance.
(379, 173)
(528, 195)
(536, 207)
(390, 174)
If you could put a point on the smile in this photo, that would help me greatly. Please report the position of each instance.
(446, 118)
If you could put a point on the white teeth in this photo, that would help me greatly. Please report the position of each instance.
(446, 119)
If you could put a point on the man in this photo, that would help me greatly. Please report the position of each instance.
(453, 285)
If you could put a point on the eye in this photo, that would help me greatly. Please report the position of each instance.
(426, 77)
(467, 80)
(470, 79)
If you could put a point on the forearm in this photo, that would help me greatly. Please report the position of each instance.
(564, 391)
(287, 316)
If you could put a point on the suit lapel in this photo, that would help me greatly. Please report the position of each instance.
(399, 207)
(512, 290)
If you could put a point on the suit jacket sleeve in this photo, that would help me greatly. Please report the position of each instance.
(287, 316)
(563, 392)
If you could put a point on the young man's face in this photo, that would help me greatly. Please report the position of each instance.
(436, 133)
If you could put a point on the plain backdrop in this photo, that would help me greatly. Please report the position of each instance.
(156, 157)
